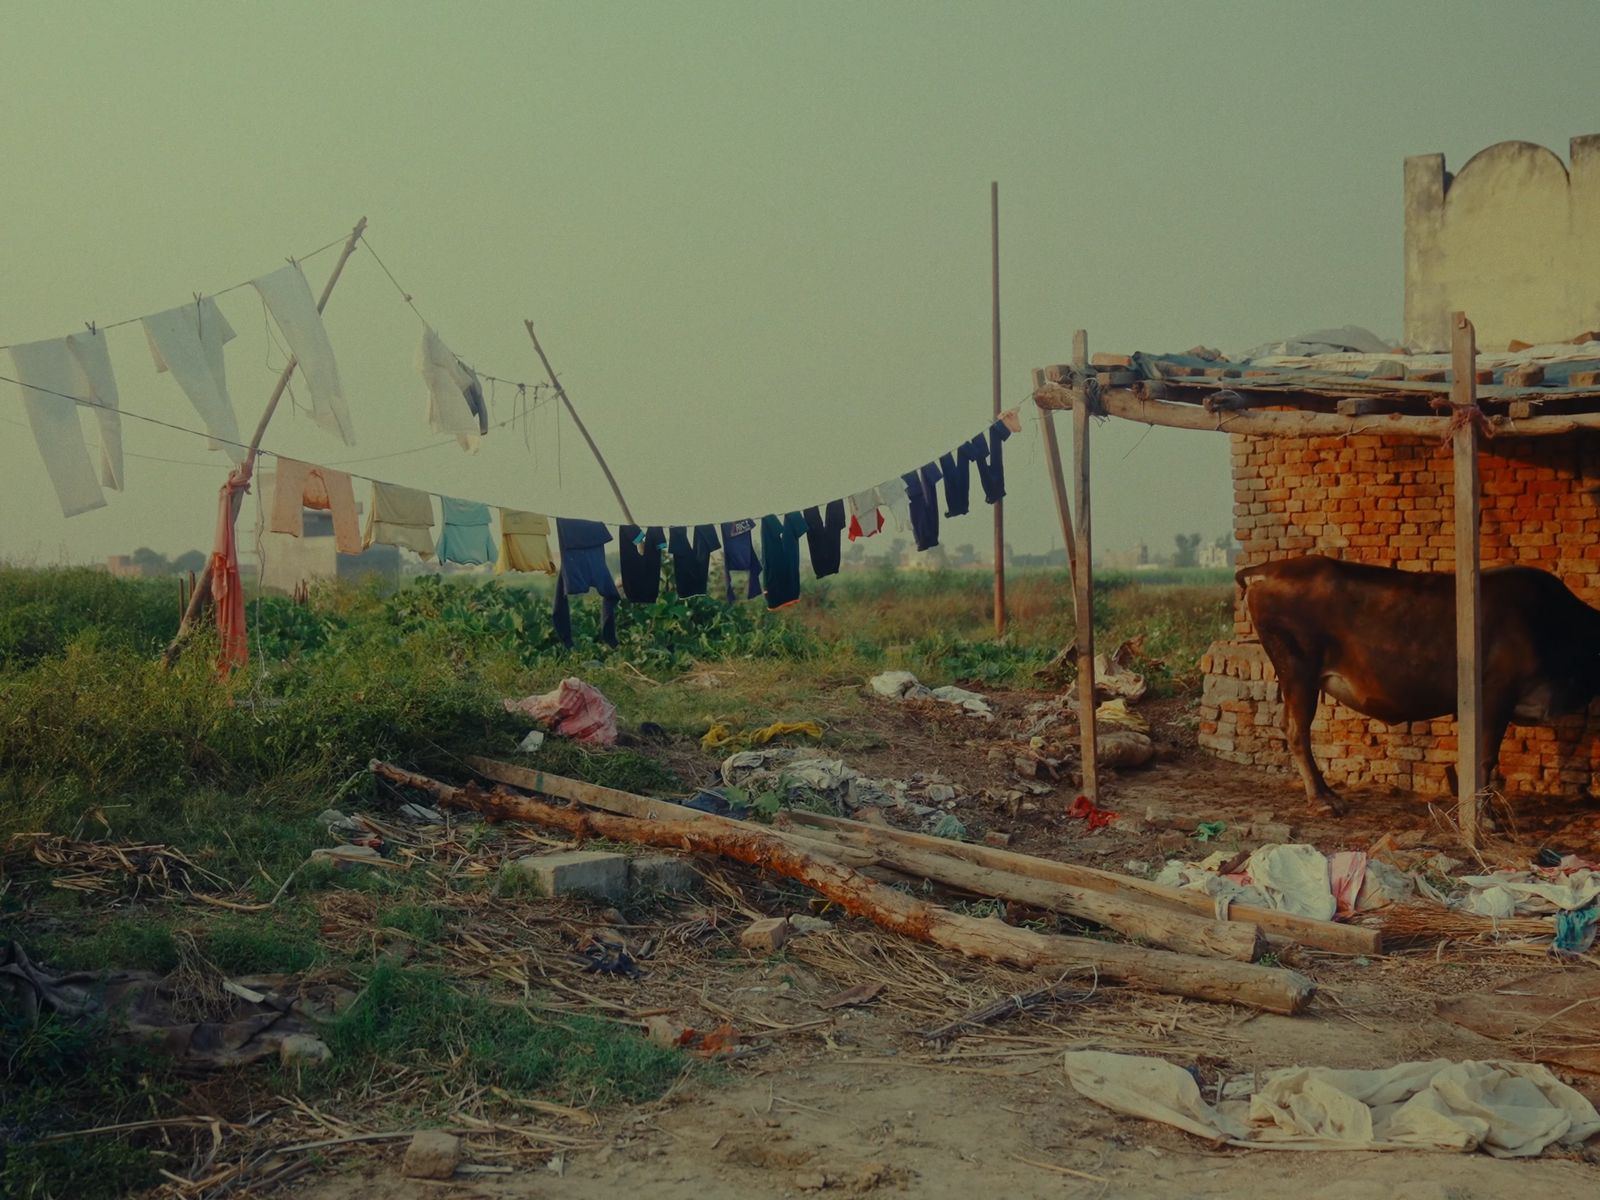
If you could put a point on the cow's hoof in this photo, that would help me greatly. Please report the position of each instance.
(1327, 804)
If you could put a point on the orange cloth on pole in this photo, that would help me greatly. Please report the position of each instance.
(226, 590)
(300, 484)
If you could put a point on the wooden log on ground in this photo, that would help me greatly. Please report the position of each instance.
(1321, 935)
(1157, 924)
(1269, 988)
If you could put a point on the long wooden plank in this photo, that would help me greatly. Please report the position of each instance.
(1321, 935)
(1270, 988)
(1156, 924)
(1172, 414)
(1469, 619)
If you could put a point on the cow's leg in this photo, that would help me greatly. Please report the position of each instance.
(1495, 722)
(1297, 681)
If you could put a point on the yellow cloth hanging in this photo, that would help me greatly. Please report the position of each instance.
(524, 543)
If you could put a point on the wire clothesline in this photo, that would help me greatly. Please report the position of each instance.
(522, 385)
(103, 326)
(87, 403)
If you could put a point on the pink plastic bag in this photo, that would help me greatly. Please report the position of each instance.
(575, 709)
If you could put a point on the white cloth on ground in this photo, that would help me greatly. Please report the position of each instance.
(1508, 893)
(100, 384)
(447, 381)
(288, 298)
(1294, 879)
(188, 342)
(51, 382)
(1507, 1109)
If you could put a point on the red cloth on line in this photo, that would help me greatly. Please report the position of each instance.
(226, 590)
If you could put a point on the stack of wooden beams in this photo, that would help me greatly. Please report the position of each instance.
(1189, 948)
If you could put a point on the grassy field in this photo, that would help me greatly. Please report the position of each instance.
(98, 742)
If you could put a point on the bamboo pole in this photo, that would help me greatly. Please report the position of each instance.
(201, 595)
(999, 505)
(1082, 584)
(1058, 483)
(1470, 779)
(578, 421)
(1129, 915)
(1269, 988)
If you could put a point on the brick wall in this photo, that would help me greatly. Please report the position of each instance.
(1388, 501)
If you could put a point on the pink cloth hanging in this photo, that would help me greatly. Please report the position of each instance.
(226, 591)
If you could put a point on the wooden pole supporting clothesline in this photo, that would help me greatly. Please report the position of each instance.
(1470, 767)
(578, 421)
(201, 595)
(999, 505)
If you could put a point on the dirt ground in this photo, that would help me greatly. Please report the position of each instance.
(853, 1101)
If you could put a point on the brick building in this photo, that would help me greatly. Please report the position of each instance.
(1388, 501)
(1353, 454)
(1514, 240)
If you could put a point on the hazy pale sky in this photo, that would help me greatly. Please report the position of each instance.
(753, 237)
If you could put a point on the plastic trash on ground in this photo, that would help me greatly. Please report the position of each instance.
(575, 709)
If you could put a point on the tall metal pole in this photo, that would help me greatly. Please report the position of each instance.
(578, 421)
(999, 505)
(201, 595)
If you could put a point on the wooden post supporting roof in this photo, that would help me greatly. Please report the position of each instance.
(1082, 584)
(1470, 766)
(999, 505)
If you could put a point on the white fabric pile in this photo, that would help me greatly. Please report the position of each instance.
(1506, 1109)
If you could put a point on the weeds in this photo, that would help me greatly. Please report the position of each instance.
(58, 1076)
(421, 1019)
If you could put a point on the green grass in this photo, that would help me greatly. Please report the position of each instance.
(84, 939)
(261, 944)
(422, 1019)
(421, 922)
(58, 1076)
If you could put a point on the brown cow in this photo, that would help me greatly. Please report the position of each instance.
(1383, 641)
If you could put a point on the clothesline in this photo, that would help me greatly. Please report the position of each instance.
(411, 304)
(521, 385)
(95, 325)
(200, 433)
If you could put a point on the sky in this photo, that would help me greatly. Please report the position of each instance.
(753, 238)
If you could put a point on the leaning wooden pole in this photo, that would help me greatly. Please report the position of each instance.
(1082, 583)
(1465, 415)
(999, 505)
(1269, 988)
(201, 595)
(578, 421)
